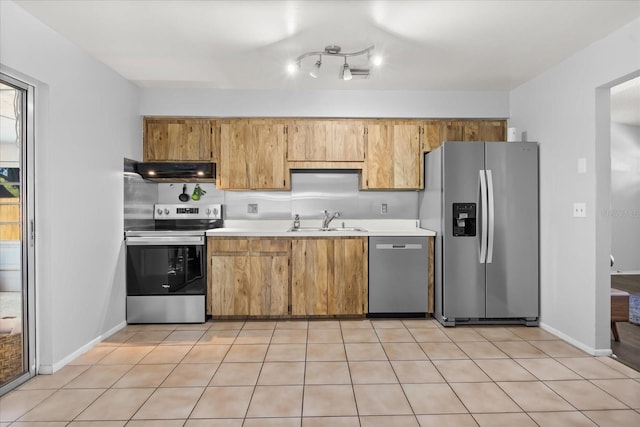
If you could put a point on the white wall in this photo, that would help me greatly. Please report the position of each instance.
(566, 110)
(330, 103)
(625, 197)
(86, 122)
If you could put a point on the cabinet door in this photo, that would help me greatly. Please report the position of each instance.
(228, 277)
(493, 130)
(310, 276)
(269, 285)
(452, 130)
(329, 276)
(308, 140)
(406, 154)
(394, 153)
(461, 130)
(432, 135)
(230, 285)
(235, 155)
(346, 141)
(177, 140)
(267, 169)
(269, 277)
(380, 162)
(326, 141)
(347, 291)
(252, 155)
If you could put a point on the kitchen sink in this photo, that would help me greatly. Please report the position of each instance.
(316, 229)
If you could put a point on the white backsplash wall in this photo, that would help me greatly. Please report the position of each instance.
(311, 193)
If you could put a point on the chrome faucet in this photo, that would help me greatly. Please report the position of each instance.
(327, 218)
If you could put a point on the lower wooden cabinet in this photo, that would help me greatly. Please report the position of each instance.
(248, 277)
(329, 276)
(253, 276)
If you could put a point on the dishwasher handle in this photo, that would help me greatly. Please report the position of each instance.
(410, 246)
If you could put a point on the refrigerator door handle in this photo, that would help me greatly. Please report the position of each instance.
(483, 212)
(492, 215)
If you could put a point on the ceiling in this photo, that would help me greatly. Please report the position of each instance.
(428, 45)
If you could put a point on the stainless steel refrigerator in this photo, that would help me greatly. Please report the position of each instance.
(481, 198)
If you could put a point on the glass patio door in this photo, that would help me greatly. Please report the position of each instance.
(16, 224)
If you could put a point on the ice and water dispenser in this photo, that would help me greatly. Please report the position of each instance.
(464, 219)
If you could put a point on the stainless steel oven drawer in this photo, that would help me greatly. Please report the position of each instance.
(166, 309)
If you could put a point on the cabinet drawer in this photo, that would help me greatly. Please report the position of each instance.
(217, 246)
(269, 245)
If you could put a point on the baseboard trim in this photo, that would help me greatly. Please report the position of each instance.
(590, 350)
(50, 369)
(624, 273)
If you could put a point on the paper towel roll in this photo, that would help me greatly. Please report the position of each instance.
(512, 134)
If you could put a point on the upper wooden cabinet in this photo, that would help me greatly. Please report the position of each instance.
(393, 155)
(178, 139)
(493, 130)
(252, 155)
(321, 140)
(460, 130)
(432, 135)
(437, 131)
(258, 154)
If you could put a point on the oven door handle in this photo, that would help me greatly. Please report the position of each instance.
(165, 240)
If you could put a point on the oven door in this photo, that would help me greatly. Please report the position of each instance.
(166, 279)
(166, 266)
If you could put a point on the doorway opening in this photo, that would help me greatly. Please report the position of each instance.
(625, 220)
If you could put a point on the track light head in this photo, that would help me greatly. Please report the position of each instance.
(316, 68)
(346, 71)
(292, 67)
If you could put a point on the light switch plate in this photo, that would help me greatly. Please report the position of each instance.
(582, 165)
(579, 210)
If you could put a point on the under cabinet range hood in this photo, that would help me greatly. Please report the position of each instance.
(157, 171)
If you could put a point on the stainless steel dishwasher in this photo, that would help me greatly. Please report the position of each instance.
(398, 276)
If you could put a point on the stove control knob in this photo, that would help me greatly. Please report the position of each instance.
(208, 211)
(215, 212)
(166, 211)
(159, 211)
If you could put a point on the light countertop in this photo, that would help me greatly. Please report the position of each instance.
(278, 228)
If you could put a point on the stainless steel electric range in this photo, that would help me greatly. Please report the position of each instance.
(166, 265)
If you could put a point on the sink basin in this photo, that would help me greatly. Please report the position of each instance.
(316, 229)
(348, 229)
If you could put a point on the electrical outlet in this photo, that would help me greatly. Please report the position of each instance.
(383, 208)
(252, 208)
(579, 210)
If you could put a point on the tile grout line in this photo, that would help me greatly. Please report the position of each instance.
(353, 389)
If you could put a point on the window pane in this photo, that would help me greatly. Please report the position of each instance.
(9, 193)
(11, 175)
(12, 286)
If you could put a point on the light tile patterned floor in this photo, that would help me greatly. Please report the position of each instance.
(367, 373)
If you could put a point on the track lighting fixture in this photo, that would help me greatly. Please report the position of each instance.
(345, 71)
